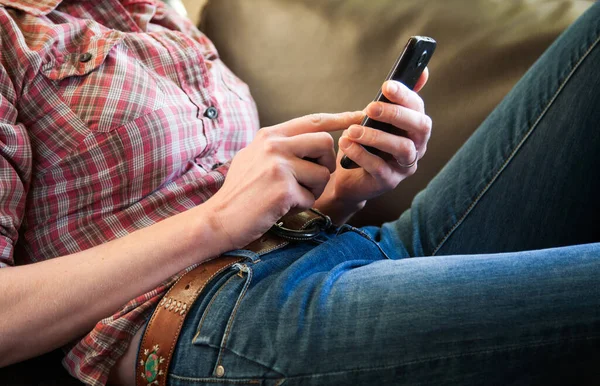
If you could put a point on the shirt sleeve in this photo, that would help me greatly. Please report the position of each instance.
(15, 169)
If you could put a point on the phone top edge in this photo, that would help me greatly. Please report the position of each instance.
(424, 38)
(411, 42)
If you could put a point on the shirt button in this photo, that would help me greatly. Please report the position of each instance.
(211, 112)
(86, 57)
(220, 371)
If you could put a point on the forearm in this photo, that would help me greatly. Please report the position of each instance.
(47, 304)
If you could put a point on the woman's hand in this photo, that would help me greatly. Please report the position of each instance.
(285, 168)
(348, 190)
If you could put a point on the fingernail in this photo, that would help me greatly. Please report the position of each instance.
(355, 131)
(376, 110)
(345, 143)
(392, 87)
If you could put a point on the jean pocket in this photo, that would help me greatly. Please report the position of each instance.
(219, 314)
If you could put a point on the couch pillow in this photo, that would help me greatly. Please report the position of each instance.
(304, 56)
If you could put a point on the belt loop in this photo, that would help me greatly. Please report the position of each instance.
(159, 339)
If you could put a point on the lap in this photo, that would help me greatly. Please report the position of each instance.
(343, 312)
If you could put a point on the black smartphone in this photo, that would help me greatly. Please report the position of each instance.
(408, 69)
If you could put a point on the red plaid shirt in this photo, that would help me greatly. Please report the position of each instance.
(107, 125)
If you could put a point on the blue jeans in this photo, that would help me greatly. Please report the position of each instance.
(492, 277)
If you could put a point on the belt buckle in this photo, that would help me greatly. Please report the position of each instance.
(308, 231)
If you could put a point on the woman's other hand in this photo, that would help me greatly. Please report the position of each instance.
(349, 189)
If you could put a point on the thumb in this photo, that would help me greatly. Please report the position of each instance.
(422, 80)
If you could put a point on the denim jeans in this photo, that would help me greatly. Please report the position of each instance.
(492, 277)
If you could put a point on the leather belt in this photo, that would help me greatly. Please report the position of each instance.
(164, 327)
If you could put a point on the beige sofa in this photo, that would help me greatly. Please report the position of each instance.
(303, 56)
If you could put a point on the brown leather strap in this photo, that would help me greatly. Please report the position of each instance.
(161, 335)
(270, 242)
(162, 332)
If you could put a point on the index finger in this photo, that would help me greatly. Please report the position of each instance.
(319, 122)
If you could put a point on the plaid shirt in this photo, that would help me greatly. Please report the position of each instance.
(113, 116)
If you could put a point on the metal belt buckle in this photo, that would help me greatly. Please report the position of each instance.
(309, 231)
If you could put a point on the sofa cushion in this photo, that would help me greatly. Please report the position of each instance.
(193, 8)
(304, 56)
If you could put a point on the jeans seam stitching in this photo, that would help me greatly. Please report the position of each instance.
(516, 149)
(232, 318)
(208, 307)
(216, 380)
(236, 353)
(417, 361)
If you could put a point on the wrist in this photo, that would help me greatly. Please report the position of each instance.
(205, 232)
(339, 208)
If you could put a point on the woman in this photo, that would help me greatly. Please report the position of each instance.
(117, 127)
